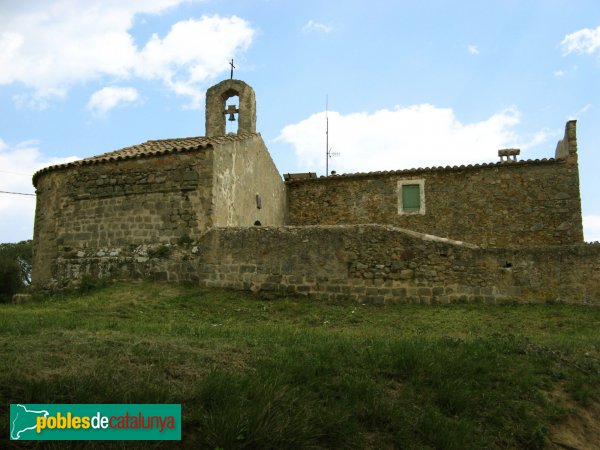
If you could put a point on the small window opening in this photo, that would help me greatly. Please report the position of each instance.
(258, 201)
(257, 223)
(411, 197)
(508, 265)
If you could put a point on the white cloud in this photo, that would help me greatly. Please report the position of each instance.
(586, 40)
(109, 97)
(406, 137)
(580, 113)
(18, 163)
(559, 73)
(591, 228)
(193, 52)
(311, 25)
(51, 46)
(473, 50)
(538, 138)
(38, 100)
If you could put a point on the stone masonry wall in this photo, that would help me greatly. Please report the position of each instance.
(110, 205)
(243, 170)
(160, 262)
(362, 263)
(383, 264)
(511, 204)
(46, 226)
(504, 205)
(216, 97)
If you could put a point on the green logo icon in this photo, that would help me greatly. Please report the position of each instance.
(95, 422)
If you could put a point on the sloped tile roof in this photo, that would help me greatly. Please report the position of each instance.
(426, 169)
(149, 148)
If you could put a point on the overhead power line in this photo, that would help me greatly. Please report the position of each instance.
(16, 173)
(15, 193)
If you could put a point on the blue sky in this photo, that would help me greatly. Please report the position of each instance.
(410, 84)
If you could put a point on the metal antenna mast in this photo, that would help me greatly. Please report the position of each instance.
(328, 152)
(327, 135)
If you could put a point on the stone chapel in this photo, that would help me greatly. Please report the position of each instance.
(106, 215)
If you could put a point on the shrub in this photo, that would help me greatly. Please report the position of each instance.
(15, 268)
(90, 283)
(184, 240)
(161, 252)
(10, 280)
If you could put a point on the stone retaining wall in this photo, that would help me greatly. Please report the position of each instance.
(363, 263)
(374, 263)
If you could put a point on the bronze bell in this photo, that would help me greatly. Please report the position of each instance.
(231, 117)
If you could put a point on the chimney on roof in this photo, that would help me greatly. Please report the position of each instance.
(299, 176)
(508, 154)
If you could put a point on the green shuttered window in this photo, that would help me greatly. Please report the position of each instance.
(411, 197)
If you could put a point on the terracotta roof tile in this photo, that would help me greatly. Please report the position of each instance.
(423, 169)
(156, 147)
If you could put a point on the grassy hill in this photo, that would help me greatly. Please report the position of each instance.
(255, 373)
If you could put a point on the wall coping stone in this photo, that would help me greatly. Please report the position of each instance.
(352, 227)
(421, 170)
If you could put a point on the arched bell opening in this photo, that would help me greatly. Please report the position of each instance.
(227, 100)
(232, 110)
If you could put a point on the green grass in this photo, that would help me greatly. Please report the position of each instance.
(253, 373)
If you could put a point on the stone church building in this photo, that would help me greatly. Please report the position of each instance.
(214, 210)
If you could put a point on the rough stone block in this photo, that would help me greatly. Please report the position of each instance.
(399, 292)
(160, 276)
(407, 274)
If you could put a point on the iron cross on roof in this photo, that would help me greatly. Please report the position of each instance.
(232, 67)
